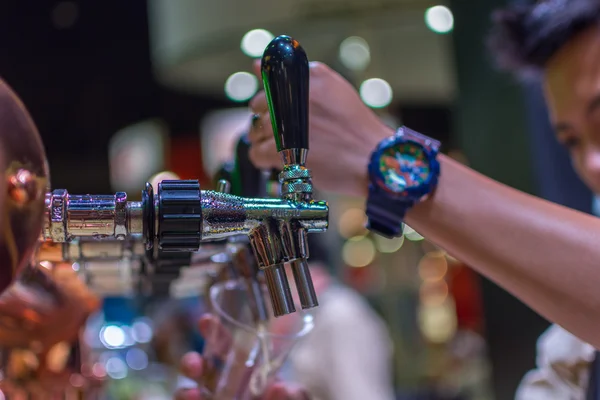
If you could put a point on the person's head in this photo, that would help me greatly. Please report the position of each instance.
(558, 41)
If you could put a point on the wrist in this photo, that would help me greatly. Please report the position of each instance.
(361, 177)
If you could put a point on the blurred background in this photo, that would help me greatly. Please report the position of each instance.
(121, 90)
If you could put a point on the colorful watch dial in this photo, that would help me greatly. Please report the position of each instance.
(402, 167)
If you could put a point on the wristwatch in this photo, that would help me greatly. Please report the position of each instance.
(403, 171)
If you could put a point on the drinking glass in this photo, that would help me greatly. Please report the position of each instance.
(242, 357)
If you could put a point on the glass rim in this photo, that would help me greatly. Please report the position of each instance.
(306, 325)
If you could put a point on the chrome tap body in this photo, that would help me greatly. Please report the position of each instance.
(87, 228)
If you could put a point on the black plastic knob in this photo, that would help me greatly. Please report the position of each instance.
(179, 215)
(285, 76)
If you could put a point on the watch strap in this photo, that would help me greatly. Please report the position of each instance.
(385, 215)
(419, 138)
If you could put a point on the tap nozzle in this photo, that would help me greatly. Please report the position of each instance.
(304, 284)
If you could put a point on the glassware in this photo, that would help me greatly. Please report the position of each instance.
(241, 356)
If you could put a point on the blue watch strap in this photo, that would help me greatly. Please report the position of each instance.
(419, 138)
(385, 215)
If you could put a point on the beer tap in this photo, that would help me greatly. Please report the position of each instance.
(285, 74)
(174, 222)
(181, 218)
(178, 219)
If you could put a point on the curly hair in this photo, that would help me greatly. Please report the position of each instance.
(524, 38)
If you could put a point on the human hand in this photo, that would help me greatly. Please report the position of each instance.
(48, 374)
(42, 315)
(195, 367)
(44, 299)
(343, 132)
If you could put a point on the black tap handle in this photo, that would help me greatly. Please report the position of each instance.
(285, 76)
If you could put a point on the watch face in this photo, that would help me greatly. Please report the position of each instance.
(403, 166)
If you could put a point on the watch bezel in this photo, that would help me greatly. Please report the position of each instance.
(412, 193)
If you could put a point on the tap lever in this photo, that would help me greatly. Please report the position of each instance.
(285, 76)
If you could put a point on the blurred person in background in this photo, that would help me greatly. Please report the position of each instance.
(348, 354)
(559, 42)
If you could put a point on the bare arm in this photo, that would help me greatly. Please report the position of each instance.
(545, 254)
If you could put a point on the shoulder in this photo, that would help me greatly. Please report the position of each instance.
(562, 370)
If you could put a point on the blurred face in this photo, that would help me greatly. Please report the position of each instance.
(572, 91)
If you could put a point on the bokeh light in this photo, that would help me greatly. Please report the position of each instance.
(112, 336)
(433, 293)
(433, 266)
(65, 14)
(116, 368)
(355, 53)
(411, 234)
(439, 19)
(241, 86)
(376, 93)
(352, 223)
(438, 324)
(358, 252)
(385, 245)
(137, 359)
(141, 330)
(255, 41)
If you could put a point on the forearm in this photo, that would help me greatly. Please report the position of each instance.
(545, 254)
